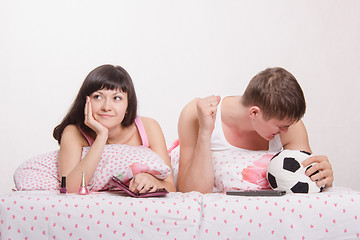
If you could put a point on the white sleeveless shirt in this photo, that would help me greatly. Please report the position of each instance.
(219, 142)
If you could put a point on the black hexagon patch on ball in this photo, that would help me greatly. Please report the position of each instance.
(291, 164)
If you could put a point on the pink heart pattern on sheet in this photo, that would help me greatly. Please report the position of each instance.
(49, 215)
(107, 215)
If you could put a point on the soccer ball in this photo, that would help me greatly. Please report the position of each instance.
(285, 172)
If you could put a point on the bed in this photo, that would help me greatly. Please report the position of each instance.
(31, 213)
(333, 214)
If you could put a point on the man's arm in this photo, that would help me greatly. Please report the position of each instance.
(195, 127)
(296, 138)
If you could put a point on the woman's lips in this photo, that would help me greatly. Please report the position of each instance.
(105, 115)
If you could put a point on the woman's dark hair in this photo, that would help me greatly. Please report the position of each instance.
(107, 77)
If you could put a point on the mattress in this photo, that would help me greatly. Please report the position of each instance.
(333, 214)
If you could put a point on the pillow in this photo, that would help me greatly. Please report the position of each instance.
(234, 169)
(125, 162)
(38, 173)
(174, 153)
(122, 161)
(240, 170)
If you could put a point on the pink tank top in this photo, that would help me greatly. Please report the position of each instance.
(139, 126)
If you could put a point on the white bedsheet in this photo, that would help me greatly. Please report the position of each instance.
(334, 214)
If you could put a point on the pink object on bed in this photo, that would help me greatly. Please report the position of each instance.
(240, 170)
(333, 214)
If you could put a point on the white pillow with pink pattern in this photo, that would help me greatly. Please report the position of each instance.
(240, 170)
(41, 173)
(233, 170)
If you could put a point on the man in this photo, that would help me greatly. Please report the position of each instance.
(266, 117)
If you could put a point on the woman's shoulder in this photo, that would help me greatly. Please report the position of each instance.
(154, 134)
(152, 127)
(148, 122)
(73, 133)
(71, 129)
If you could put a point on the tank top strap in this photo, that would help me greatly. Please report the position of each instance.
(218, 140)
(275, 144)
(142, 132)
(88, 138)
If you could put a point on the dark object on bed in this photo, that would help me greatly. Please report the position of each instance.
(125, 188)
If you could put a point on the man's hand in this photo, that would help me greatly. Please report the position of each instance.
(325, 176)
(207, 108)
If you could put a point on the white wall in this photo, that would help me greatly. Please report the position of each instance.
(175, 51)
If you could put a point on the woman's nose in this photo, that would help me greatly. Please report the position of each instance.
(106, 105)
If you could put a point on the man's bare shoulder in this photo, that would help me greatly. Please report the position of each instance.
(296, 137)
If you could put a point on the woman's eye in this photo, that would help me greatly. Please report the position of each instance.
(117, 98)
(97, 97)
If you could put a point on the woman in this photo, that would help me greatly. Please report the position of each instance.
(104, 112)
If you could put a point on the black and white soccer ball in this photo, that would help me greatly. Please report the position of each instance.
(285, 172)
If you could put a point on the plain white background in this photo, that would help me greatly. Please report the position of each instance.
(176, 51)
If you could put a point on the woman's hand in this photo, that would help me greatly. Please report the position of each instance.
(206, 109)
(90, 120)
(325, 175)
(143, 183)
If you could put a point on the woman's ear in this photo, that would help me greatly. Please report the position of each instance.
(254, 112)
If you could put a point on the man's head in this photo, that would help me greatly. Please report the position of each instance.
(277, 93)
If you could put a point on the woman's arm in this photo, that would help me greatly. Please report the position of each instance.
(72, 142)
(145, 182)
(69, 160)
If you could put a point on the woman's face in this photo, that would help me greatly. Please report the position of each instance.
(109, 107)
